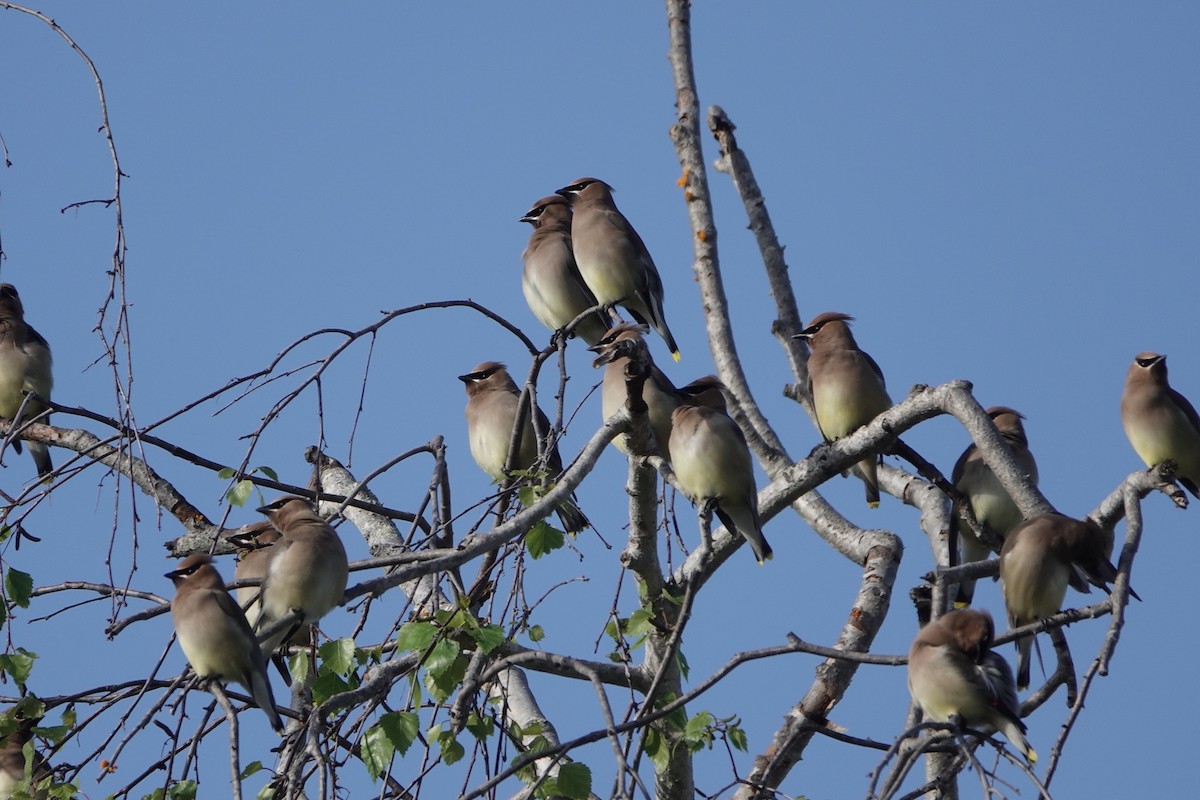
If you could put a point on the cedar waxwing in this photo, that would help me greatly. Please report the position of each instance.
(990, 503)
(846, 387)
(1160, 422)
(612, 259)
(25, 366)
(952, 672)
(492, 400)
(659, 394)
(255, 552)
(553, 287)
(307, 571)
(12, 763)
(712, 462)
(214, 634)
(1040, 557)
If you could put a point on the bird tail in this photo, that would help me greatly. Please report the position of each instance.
(572, 519)
(1024, 659)
(41, 458)
(264, 698)
(1015, 733)
(868, 470)
(745, 521)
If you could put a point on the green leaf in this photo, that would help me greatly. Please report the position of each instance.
(394, 731)
(18, 664)
(480, 727)
(240, 492)
(251, 768)
(337, 656)
(376, 750)
(452, 751)
(489, 637)
(5, 532)
(639, 623)
(183, 790)
(697, 730)
(326, 685)
(737, 738)
(681, 660)
(543, 538)
(225, 473)
(270, 473)
(574, 781)
(442, 684)
(441, 656)
(18, 586)
(656, 748)
(536, 633)
(416, 636)
(298, 662)
(266, 793)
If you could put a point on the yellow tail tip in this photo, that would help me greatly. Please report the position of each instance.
(961, 604)
(675, 355)
(872, 504)
(1031, 756)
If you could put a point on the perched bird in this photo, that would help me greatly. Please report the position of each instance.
(255, 552)
(13, 762)
(492, 401)
(989, 500)
(660, 395)
(25, 366)
(712, 462)
(553, 287)
(952, 672)
(1040, 557)
(846, 386)
(306, 572)
(612, 259)
(1159, 422)
(214, 634)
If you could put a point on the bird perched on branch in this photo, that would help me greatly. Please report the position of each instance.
(612, 258)
(1041, 556)
(990, 502)
(712, 462)
(1160, 422)
(255, 551)
(26, 375)
(953, 673)
(214, 634)
(492, 402)
(846, 387)
(306, 571)
(553, 287)
(659, 394)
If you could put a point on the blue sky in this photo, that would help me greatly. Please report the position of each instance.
(1006, 195)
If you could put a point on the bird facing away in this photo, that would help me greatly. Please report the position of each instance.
(952, 672)
(306, 573)
(553, 287)
(492, 402)
(13, 761)
(989, 500)
(214, 634)
(712, 462)
(25, 366)
(254, 557)
(1040, 557)
(1159, 422)
(846, 387)
(612, 258)
(659, 394)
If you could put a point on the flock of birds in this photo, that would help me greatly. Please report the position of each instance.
(583, 259)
